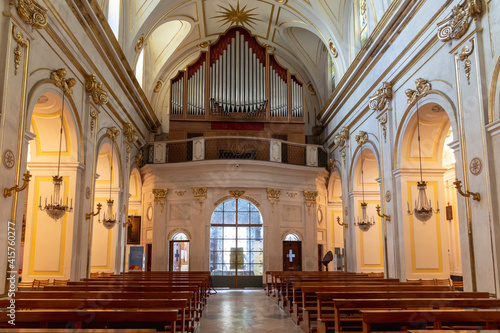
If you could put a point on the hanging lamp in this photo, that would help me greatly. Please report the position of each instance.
(423, 207)
(364, 223)
(56, 208)
(110, 221)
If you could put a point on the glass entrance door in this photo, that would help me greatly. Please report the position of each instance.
(236, 245)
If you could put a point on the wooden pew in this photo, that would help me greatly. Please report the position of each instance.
(61, 318)
(402, 320)
(348, 309)
(179, 305)
(325, 302)
(72, 330)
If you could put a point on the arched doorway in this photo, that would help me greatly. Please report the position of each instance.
(236, 245)
(179, 253)
(292, 253)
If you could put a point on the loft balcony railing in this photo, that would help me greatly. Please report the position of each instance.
(234, 148)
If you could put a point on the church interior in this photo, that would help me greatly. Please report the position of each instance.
(245, 142)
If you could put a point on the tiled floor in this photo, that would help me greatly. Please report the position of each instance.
(244, 310)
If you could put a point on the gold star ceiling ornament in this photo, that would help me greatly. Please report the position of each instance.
(237, 16)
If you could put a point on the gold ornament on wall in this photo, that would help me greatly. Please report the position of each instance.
(379, 100)
(423, 86)
(310, 199)
(331, 164)
(464, 56)
(130, 133)
(273, 195)
(140, 44)
(32, 13)
(456, 25)
(291, 194)
(112, 133)
(311, 89)
(237, 194)
(237, 16)
(93, 119)
(383, 124)
(270, 48)
(333, 50)
(341, 137)
(200, 195)
(203, 45)
(158, 86)
(138, 160)
(160, 195)
(361, 138)
(59, 76)
(99, 95)
(21, 42)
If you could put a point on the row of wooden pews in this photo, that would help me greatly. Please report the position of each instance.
(338, 302)
(163, 301)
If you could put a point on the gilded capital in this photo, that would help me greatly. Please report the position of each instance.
(130, 133)
(32, 13)
(273, 194)
(160, 194)
(456, 25)
(310, 197)
(99, 95)
(361, 138)
(423, 86)
(341, 137)
(199, 193)
(112, 133)
(59, 76)
(379, 100)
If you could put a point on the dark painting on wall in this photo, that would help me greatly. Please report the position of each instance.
(134, 230)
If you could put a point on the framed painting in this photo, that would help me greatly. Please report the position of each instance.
(134, 230)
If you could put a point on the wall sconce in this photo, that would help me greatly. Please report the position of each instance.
(8, 191)
(273, 195)
(129, 221)
(310, 199)
(160, 196)
(91, 214)
(200, 194)
(345, 225)
(475, 195)
(386, 217)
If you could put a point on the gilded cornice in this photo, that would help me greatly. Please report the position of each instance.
(130, 133)
(423, 86)
(112, 133)
(341, 137)
(21, 42)
(379, 100)
(59, 76)
(99, 95)
(32, 13)
(361, 138)
(456, 25)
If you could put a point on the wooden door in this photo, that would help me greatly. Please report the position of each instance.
(292, 256)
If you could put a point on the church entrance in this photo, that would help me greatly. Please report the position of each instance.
(236, 245)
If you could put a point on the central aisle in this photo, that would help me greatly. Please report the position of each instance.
(244, 310)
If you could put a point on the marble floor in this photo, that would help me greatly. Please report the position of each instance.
(244, 310)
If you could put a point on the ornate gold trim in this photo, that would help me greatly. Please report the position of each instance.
(128, 149)
(331, 164)
(200, 193)
(343, 157)
(112, 133)
(93, 118)
(32, 13)
(160, 195)
(456, 25)
(423, 86)
(383, 122)
(310, 199)
(333, 50)
(291, 194)
(158, 86)
(237, 194)
(21, 42)
(361, 138)
(203, 45)
(379, 100)
(140, 44)
(273, 195)
(130, 133)
(341, 137)
(99, 95)
(311, 89)
(138, 160)
(464, 56)
(59, 76)
(180, 193)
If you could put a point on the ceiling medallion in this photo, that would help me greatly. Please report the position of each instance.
(237, 16)
(8, 159)
(476, 166)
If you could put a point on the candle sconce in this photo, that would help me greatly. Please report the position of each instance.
(345, 225)
(8, 191)
(91, 214)
(475, 195)
(386, 217)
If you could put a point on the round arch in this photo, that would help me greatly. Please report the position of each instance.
(372, 147)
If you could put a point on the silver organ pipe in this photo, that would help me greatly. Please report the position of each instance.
(237, 79)
(297, 101)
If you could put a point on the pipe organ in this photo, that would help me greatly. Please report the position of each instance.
(236, 79)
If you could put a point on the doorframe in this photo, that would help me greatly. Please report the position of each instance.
(171, 254)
